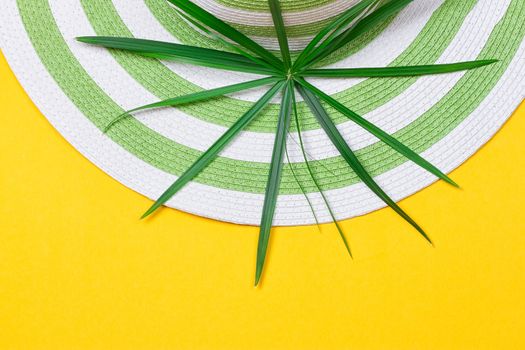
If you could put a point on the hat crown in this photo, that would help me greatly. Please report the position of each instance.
(303, 18)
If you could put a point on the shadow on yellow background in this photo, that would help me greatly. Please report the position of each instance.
(78, 270)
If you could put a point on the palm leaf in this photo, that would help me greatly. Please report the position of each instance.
(343, 148)
(196, 97)
(274, 180)
(275, 9)
(228, 31)
(249, 56)
(207, 157)
(377, 132)
(395, 71)
(189, 54)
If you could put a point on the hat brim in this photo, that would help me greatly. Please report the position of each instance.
(446, 118)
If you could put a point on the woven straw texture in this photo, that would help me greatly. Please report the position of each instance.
(446, 118)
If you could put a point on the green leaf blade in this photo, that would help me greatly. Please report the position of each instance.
(171, 51)
(405, 71)
(332, 28)
(390, 8)
(301, 187)
(208, 156)
(350, 157)
(228, 31)
(196, 97)
(316, 183)
(274, 180)
(275, 9)
(217, 37)
(377, 132)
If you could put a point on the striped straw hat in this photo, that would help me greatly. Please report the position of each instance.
(446, 118)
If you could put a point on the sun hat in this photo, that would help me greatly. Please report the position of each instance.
(446, 118)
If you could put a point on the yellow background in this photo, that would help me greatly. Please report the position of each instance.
(78, 270)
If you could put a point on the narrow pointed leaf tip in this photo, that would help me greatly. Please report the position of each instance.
(314, 180)
(377, 132)
(274, 180)
(208, 156)
(190, 54)
(195, 97)
(337, 139)
(402, 71)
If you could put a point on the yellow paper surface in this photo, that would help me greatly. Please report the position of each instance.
(78, 270)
